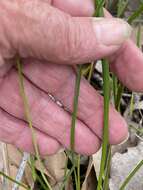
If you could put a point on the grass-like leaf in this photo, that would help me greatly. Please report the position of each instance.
(75, 107)
(131, 175)
(91, 71)
(122, 6)
(136, 14)
(14, 181)
(29, 119)
(73, 125)
(106, 92)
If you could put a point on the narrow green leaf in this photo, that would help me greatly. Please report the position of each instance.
(29, 119)
(14, 181)
(130, 176)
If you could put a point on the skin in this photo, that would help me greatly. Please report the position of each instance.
(51, 37)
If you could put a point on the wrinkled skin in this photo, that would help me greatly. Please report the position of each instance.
(51, 37)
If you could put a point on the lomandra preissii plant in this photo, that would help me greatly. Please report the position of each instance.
(111, 85)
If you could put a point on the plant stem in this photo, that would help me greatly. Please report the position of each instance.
(119, 96)
(91, 71)
(107, 170)
(66, 178)
(78, 173)
(75, 107)
(139, 36)
(106, 90)
(133, 172)
(74, 117)
(29, 119)
(115, 85)
(14, 181)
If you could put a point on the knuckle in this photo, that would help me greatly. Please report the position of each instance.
(69, 40)
(73, 41)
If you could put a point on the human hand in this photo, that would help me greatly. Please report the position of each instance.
(47, 38)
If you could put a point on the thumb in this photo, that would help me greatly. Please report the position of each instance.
(36, 29)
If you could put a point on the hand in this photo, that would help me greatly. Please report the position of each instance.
(49, 41)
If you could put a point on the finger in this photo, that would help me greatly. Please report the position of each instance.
(46, 115)
(75, 7)
(60, 82)
(30, 28)
(17, 132)
(127, 64)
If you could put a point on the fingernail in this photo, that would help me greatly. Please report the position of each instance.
(61, 150)
(111, 31)
(88, 8)
(125, 139)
